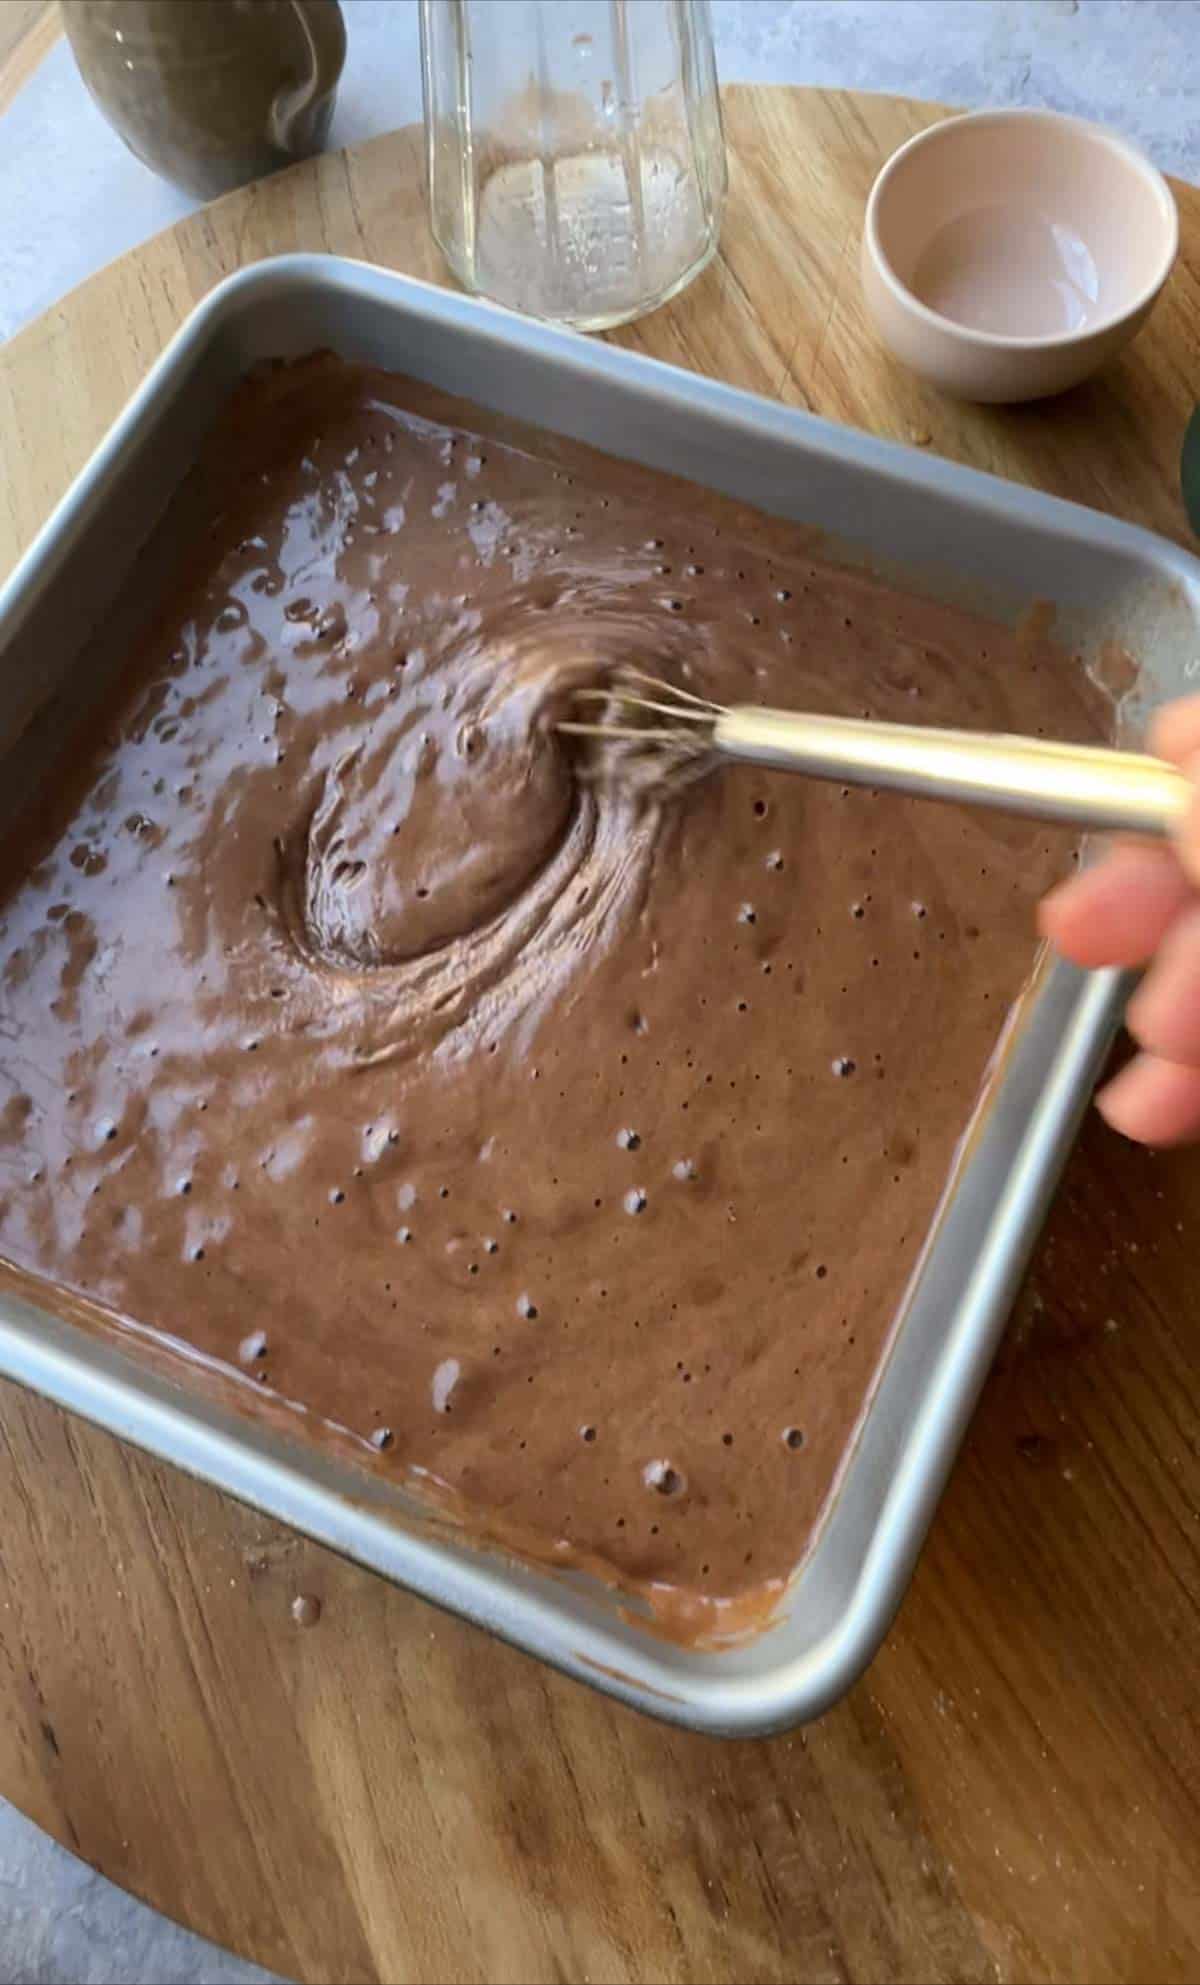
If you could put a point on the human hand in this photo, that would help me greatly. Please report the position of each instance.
(1141, 906)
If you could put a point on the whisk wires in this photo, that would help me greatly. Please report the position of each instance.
(630, 745)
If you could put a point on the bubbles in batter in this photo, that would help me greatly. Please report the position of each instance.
(445, 1379)
(664, 1478)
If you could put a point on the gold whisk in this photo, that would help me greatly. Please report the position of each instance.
(661, 737)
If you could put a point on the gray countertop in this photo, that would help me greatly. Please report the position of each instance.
(71, 198)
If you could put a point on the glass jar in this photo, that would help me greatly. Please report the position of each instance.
(575, 154)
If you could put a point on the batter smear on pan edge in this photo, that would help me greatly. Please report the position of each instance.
(567, 1153)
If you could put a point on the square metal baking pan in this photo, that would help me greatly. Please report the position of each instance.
(946, 532)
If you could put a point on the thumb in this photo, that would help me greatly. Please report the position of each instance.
(1187, 834)
(1175, 735)
(1175, 731)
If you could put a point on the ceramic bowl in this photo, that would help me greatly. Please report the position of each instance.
(1009, 253)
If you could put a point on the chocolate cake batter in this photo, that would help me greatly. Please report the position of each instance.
(566, 1150)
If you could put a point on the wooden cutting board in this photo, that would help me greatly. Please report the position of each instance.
(1014, 1789)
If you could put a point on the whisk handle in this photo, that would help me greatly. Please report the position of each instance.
(1085, 786)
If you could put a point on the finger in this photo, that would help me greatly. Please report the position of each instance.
(1175, 731)
(1154, 1102)
(1118, 912)
(1164, 1013)
(1174, 734)
(1187, 839)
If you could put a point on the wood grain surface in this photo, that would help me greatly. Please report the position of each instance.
(28, 31)
(1013, 1792)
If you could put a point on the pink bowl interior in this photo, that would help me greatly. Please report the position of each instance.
(1025, 228)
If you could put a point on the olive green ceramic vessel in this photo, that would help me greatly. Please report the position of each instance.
(211, 93)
